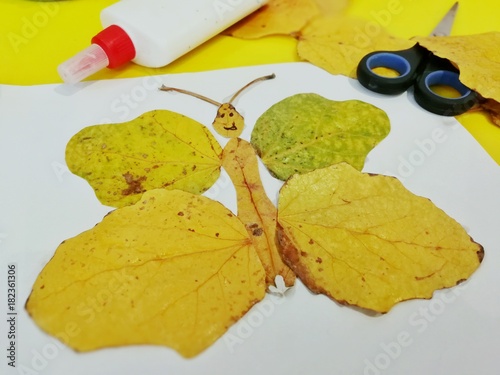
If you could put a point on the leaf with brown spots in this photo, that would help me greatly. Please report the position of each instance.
(228, 122)
(159, 149)
(307, 131)
(175, 269)
(365, 240)
(255, 209)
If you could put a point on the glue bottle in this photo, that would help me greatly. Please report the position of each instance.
(153, 33)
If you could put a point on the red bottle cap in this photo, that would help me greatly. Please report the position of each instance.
(116, 44)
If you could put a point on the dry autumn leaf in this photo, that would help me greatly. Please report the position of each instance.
(478, 59)
(366, 241)
(278, 17)
(159, 149)
(331, 7)
(337, 43)
(175, 269)
(228, 122)
(307, 131)
(476, 56)
(492, 107)
(255, 209)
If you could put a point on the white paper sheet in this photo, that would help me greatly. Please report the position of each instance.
(42, 203)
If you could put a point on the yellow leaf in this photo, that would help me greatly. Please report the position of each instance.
(277, 17)
(330, 7)
(255, 209)
(366, 241)
(174, 269)
(337, 43)
(476, 56)
(159, 149)
(478, 59)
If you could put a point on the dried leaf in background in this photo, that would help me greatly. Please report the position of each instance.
(255, 209)
(278, 17)
(364, 240)
(492, 107)
(330, 7)
(175, 269)
(476, 56)
(338, 43)
(307, 131)
(478, 59)
(159, 149)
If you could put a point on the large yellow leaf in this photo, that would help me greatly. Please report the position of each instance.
(476, 56)
(478, 59)
(365, 240)
(337, 43)
(174, 269)
(255, 209)
(277, 17)
(159, 149)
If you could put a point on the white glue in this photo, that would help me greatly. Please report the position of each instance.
(153, 33)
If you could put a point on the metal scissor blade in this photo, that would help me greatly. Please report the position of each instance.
(444, 27)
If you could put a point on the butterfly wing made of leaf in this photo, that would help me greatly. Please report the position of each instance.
(159, 149)
(307, 131)
(175, 269)
(255, 209)
(366, 241)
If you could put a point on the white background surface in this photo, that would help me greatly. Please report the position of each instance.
(42, 203)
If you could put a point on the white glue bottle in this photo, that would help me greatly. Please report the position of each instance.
(153, 33)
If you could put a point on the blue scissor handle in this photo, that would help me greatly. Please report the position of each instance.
(407, 63)
(417, 66)
(438, 71)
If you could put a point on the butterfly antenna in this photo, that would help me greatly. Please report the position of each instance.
(165, 88)
(264, 78)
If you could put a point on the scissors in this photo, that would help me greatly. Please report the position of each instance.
(418, 67)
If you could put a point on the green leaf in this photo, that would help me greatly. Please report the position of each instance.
(307, 131)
